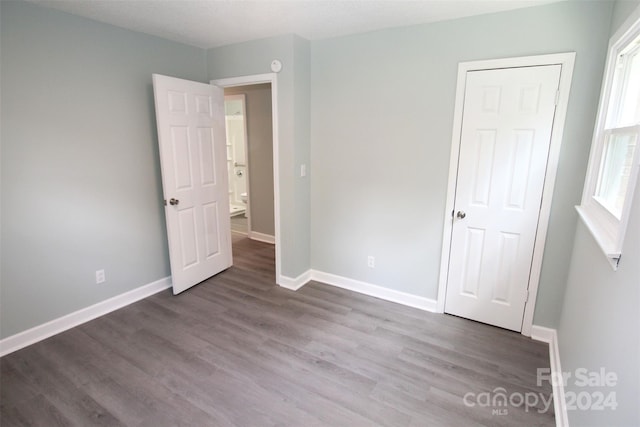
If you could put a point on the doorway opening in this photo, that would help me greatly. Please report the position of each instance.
(249, 132)
(237, 156)
(261, 218)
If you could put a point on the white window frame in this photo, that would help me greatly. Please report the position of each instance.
(607, 229)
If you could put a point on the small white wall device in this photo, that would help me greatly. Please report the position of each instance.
(276, 66)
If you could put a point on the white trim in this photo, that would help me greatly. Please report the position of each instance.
(369, 289)
(261, 237)
(566, 60)
(606, 244)
(543, 334)
(61, 324)
(386, 294)
(550, 336)
(294, 284)
(273, 79)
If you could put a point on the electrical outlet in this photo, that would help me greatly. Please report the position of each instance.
(100, 276)
(371, 261)
(303, 170)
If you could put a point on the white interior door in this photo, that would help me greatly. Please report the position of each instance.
(191, 134)
(505, 137)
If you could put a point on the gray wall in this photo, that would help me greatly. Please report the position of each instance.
(621, 11)
(260, 144)
(599, 323)
(380, 171)
(81, 187)
(293, 115)
(601, 312)
(302, 152)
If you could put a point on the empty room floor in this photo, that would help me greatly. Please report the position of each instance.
(237, 350)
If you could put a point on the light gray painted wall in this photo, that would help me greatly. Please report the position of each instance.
(621, 12)
(302, 154)
(260, 144)
(81, 187)
(601, 313)
(293, 83)
(380, 172)
(599, 323)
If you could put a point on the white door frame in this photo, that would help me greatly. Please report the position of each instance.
(566, 60)
(253, 80)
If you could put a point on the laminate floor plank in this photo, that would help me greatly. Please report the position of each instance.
(58, 389)
(21, 388)
(34, 412)
(323, 381)
(277, 377)
(380, 371)
(239, 351)
(129, 389)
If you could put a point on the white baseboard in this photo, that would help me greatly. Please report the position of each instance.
(260, 237)
(295, 283)
(61, 324)
(550, 336)
(375, 291)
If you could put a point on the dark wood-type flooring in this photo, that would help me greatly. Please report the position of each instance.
(239, 224)
(237, 350)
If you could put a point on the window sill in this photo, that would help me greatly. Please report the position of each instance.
(603, 239)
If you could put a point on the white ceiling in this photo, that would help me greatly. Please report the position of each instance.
(212, 23)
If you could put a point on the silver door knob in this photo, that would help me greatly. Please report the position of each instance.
(174, 202)
(461, 214)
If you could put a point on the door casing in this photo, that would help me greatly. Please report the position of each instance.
(566, 60)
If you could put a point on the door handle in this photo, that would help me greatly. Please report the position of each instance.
(461, 214)
(174, 202)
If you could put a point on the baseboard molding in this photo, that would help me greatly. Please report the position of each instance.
(260, 237)
(550, 336)
(295, 283)
(369, 289)
(61, 324)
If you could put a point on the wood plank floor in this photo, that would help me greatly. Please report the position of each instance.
(237, 350)
(239, 224)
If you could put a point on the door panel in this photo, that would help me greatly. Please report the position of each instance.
(473, 261)
(505, 137)
(191, 134)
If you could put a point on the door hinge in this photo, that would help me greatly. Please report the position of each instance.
(557, 97)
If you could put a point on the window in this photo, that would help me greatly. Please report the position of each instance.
(615, 159)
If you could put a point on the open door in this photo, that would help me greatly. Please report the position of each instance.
(191, 134)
